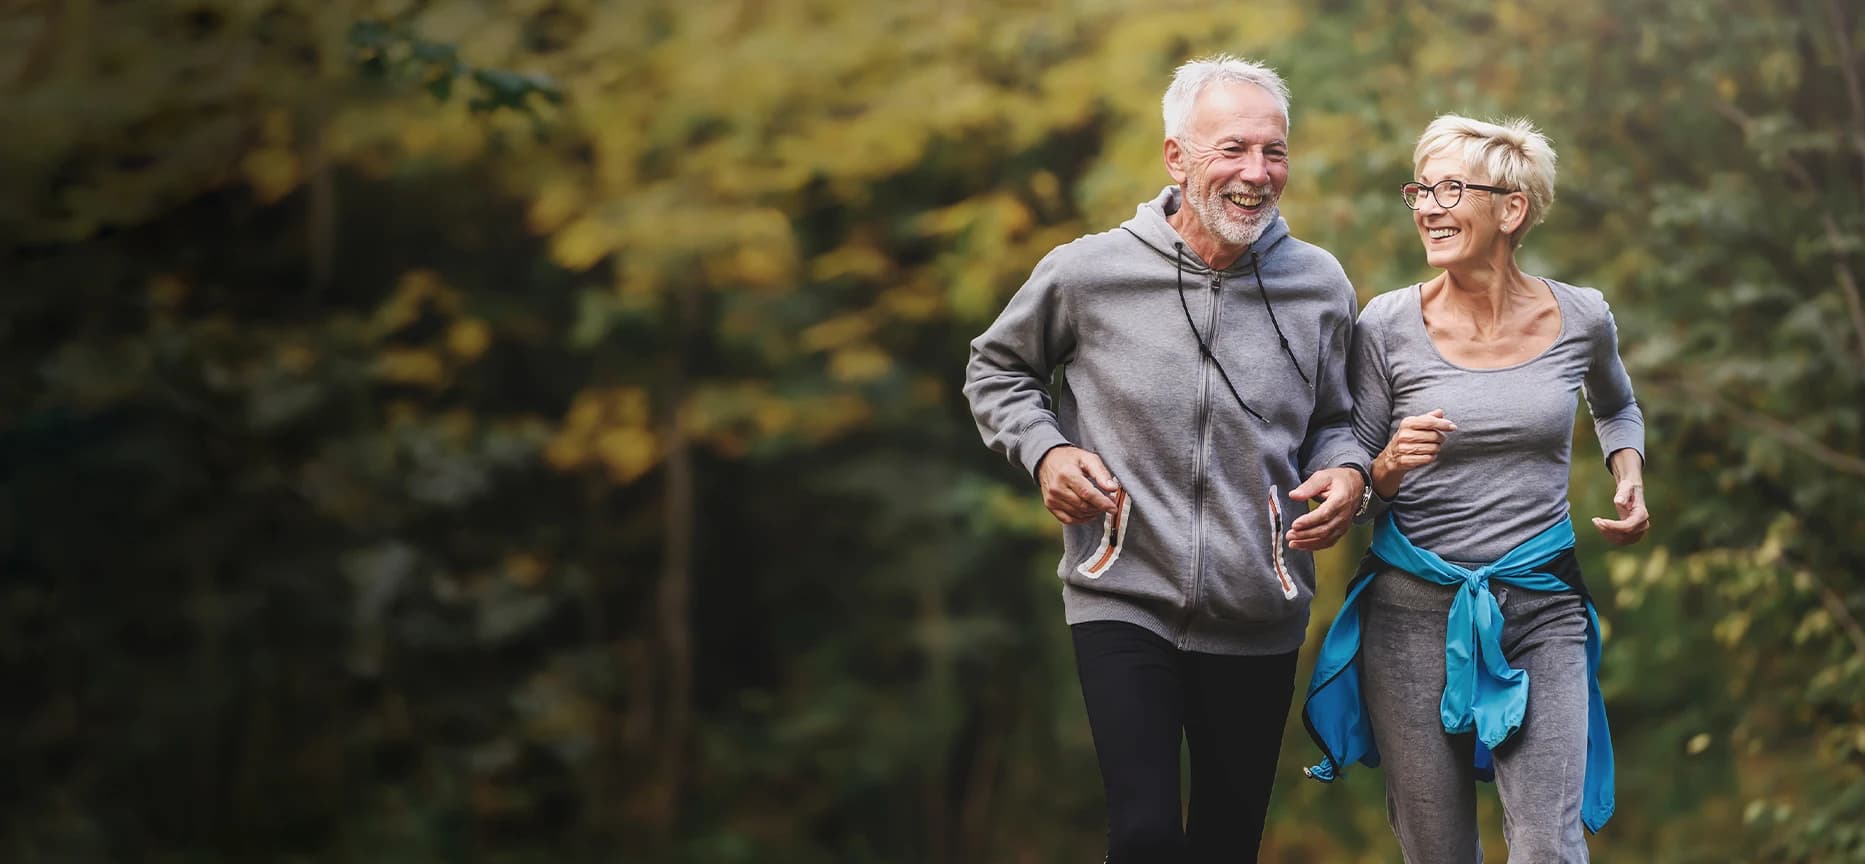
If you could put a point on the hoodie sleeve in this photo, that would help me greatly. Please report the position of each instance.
(1007, 378)
(1330, 442)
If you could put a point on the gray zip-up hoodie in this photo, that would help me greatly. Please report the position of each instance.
(1197, 553)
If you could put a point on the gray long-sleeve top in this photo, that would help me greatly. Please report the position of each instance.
(1502, 477)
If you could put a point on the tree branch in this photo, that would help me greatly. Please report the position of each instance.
(1848, 284)
(1836, 607)
(1849, 73)
(1785, 433)
(1842, 271)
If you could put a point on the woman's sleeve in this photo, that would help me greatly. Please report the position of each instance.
(1370, 379)
(1617, 419)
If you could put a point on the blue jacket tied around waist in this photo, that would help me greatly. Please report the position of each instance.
(1481, 692)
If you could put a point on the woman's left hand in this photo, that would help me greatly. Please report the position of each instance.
(1633, 521)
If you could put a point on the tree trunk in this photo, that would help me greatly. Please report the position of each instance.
(674, 606)
(321, 221)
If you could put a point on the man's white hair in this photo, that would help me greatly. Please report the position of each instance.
(1511, 154)
(1191, 79)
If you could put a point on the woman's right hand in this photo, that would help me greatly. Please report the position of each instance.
(1414, 445)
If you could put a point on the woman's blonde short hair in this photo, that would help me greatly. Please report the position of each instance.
(1512, 154)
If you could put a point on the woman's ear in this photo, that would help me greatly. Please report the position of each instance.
(1514, 212)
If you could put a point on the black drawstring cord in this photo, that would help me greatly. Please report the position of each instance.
(1178, 261)
(1256, 269)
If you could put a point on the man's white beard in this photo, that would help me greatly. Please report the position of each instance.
(1236, 231)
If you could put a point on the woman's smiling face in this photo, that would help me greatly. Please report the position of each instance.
(1470, 230)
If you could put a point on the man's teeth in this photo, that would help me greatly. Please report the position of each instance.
(1441, 233)
(1245, 200)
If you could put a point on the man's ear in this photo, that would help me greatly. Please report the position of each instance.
(1175, 160)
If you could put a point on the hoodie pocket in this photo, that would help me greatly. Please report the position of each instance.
(1252, 575)
(1277, 549)
(1113, 537)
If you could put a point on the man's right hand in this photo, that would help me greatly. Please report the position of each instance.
(1075, 484)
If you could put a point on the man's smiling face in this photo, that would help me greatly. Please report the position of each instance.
(1234, 158)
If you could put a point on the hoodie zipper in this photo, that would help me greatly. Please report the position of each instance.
(1204, 435)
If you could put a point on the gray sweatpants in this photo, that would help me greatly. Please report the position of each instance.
(1430, 784)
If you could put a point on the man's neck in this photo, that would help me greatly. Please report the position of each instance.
(1212, 250)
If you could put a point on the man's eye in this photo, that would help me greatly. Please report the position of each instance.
(1233, 149)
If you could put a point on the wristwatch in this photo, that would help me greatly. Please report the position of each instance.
(1366, 491)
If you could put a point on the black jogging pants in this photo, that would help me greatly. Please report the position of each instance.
(1142, 694)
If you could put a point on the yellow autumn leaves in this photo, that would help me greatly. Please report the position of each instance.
(610, 428)
(428, 364)
(615, 430)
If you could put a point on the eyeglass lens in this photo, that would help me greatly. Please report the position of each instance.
(1447, 193)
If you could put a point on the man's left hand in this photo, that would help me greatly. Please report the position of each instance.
(1339, 490)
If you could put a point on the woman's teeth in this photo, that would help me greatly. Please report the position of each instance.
(1441, 233)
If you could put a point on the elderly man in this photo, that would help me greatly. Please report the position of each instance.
(1203, 352)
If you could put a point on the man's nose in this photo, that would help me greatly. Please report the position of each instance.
(1255, 169)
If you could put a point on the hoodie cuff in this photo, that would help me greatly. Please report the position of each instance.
(1345, 457)
(1036, 442)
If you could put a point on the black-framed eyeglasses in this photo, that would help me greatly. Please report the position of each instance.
(1446, 192)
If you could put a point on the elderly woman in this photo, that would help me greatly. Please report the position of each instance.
(1466, 387)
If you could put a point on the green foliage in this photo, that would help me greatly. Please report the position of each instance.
(445, 430)
(382, 51)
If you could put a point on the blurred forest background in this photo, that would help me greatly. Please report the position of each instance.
(529, 430)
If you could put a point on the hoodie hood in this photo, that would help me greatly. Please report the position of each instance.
(1150, 226)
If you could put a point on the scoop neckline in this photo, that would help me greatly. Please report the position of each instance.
(1418, 315)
